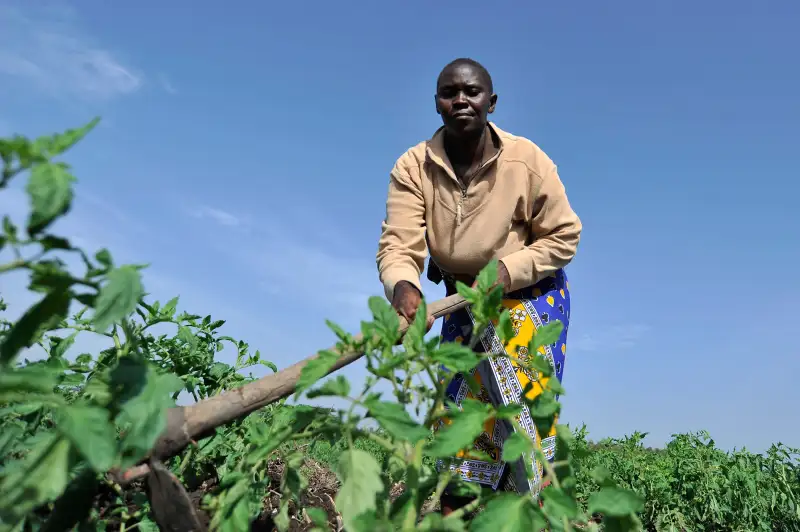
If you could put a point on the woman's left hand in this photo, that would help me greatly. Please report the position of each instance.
(503, 277)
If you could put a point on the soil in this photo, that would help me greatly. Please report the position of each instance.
(321, 493)
(322, 488)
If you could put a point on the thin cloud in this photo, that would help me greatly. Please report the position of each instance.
(290, 268)
(167, 85)
(219, 216)
(46, 47)
(609, 339)
(95, 223)
(285, 266)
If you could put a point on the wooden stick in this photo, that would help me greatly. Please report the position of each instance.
(186, 424)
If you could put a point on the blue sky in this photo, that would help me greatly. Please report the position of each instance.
(245, 153)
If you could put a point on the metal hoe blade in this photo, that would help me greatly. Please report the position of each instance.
(172, 507)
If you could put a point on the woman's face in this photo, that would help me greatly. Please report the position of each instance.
(464, 100)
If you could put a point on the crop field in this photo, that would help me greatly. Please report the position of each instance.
(82, 435)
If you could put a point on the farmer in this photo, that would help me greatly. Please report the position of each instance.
(470, 194)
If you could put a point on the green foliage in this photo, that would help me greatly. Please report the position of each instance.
(691, 484)
(66, 420)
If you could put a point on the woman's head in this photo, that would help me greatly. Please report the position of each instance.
(464, 97)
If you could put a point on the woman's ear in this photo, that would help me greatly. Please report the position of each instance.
(492, 103)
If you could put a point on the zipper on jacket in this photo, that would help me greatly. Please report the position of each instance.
(460, 203)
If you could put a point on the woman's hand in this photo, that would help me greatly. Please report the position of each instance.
(406, 302)
(503, 278)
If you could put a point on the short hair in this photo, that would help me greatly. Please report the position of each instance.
(470, 62)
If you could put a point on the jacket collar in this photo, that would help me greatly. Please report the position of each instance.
(436, 153)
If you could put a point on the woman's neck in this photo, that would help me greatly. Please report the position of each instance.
(464, 150)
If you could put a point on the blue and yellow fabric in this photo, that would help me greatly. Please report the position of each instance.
(502, 381)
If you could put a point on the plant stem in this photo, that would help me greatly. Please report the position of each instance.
(464, 510)
(15, 264)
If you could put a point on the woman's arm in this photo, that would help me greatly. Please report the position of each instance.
(556, 230)
(402, 247)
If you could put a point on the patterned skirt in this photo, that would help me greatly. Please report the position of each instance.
(502, 382)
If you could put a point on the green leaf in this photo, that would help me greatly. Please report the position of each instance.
(220, 370)
(104, 258)
(360, 475)
(147, 525)
(75, 504)
(170, 307)
(543, 410)
(9, 230)
(541, 365)
(88, 300)
(318, 517)
(397, 421)
(60, 346)
(235, 510)
(50, 275)
(338, 331)
(472, 383)
(185, 334)
(615, 502)
(83, 359)
(508, 411)
(558, 504)
(546, 335)
(23, 149)
(386, 320)
(61, 142)
(368, 522)
(290, 421)
(90, 430)
(603, 477)
(50, 242)
(118, 297)
(72, 380)
(493, 301)
(270, 365)
(632, 523)
(338, 386)
(466, 425)
(554, 385)
(435, 522)
(505, 328)
(470, 294)
(456, 357)
(33, 378)
(415, 335)
(487, 277)
(50, 192)
(33, 385)
(292, 481)
(45, 314)
(515, 446)
(145, 396)
(314, 370)
(509, 513)
(41, 476)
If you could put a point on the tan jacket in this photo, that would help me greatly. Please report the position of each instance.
(515, 209)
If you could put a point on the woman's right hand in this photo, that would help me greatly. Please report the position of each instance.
(406, 300)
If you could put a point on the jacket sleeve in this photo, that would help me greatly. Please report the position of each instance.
(402, 247)
(556, 231)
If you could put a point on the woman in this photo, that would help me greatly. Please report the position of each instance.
(470, 194)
